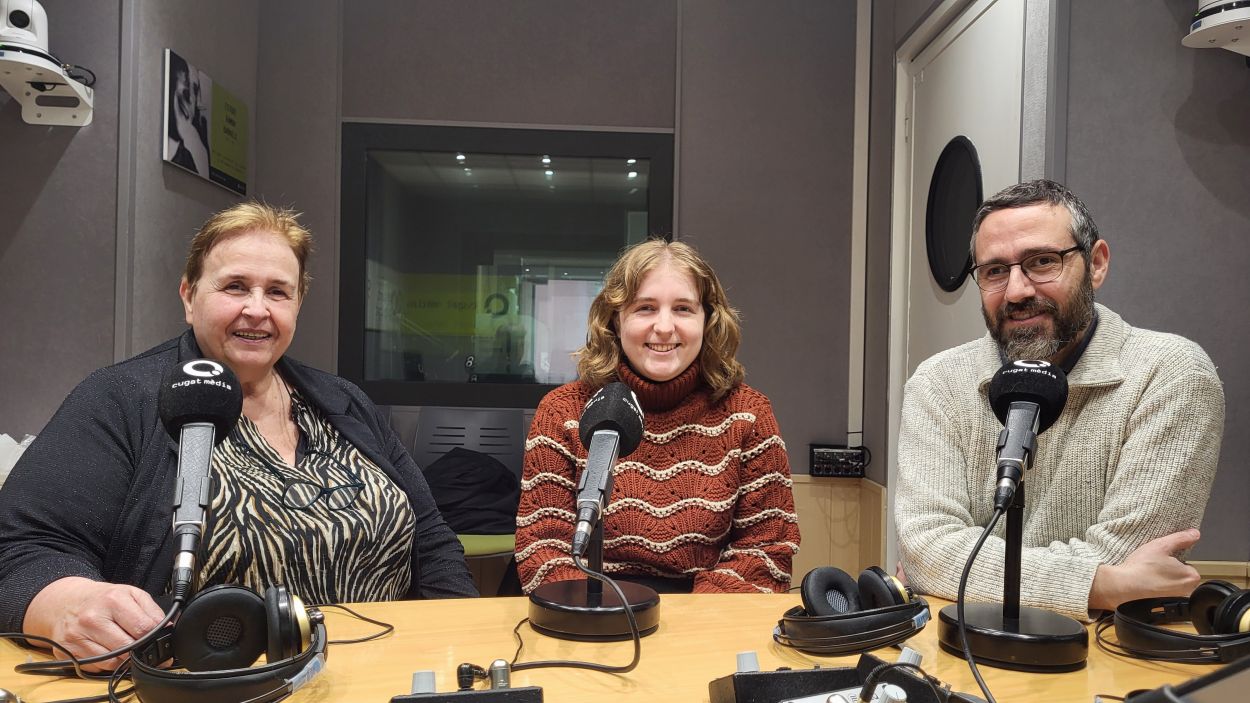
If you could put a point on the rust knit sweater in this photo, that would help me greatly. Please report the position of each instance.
(707, 494)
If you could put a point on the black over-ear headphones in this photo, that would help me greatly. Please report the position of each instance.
(842, 616)
(220, 633)
(1220, 612)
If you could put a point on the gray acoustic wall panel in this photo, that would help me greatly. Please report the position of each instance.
(565, 62)
(1158, 147)
(297, 131)
(57, 219)
(765, 138)
(170, 204)
(908, 14)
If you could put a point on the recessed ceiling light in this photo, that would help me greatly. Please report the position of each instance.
(549, 173)
(632, 174)
(546, 159)
(460, 157)
(631, 161)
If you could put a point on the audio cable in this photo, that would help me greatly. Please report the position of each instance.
(72, 667)
(387, 628)
(870, 681)
(959, 605)
(633, 631)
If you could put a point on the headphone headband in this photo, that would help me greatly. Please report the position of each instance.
(1139, 633)
(268, 682)
(851, 633)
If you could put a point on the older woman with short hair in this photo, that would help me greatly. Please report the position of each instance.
(705, 502)
(313, 488)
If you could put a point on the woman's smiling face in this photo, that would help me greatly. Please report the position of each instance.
(244, 306)
(661, 329)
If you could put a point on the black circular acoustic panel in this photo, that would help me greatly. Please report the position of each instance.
(954, 196)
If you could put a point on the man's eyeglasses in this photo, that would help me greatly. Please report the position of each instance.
(302, 493)
(1039, 268)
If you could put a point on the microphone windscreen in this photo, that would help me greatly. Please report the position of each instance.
(613, 407)
(1033, 381)
(200, 390)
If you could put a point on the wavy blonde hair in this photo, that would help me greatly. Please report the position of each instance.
(597, 362)
(245, 217)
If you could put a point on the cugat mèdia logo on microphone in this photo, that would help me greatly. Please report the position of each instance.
(203, 372)
(1026, 368)
(202, 368)
(631, 402)
(1031, 363)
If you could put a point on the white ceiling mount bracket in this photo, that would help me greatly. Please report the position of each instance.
(33, 76)
(1220, 24)
(47, 94)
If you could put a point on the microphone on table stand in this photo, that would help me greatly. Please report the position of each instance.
(1027, 397)
(610, 428)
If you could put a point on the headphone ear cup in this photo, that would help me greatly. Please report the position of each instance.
(829, 591)
(1233, 615)
(223, 627)
(1205, 601)
(877, 589)
(283, 627)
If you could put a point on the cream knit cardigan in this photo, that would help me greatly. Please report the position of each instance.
(1131, 458)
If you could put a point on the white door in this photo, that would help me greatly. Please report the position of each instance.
(966, 82)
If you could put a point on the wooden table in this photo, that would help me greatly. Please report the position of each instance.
(697, 640)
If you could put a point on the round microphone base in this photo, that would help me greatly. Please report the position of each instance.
(567, 610)
(1039, 641)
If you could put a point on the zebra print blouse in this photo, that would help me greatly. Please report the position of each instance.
(352, 544)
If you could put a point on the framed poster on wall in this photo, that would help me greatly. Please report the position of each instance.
(205, 126)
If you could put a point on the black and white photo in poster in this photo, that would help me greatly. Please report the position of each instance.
(188, 104)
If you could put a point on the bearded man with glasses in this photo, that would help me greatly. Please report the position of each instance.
(1120, 481)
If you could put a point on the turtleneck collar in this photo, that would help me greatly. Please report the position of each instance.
(658, 397)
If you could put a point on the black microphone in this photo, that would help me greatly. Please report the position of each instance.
(1027, 397)
(610, 428)
(199, 403)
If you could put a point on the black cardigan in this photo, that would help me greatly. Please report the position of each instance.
(93, 494)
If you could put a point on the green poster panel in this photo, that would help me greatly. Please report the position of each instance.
(228, 140)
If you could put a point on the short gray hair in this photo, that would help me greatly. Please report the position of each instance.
(1084, 231)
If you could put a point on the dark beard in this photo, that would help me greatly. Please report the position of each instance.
(1035, 341)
